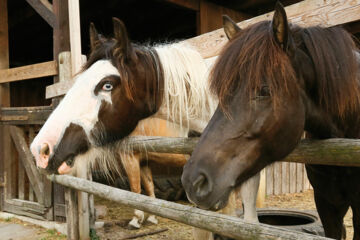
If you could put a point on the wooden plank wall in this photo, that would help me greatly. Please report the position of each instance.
(286, 177)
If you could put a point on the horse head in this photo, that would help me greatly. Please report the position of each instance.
(273, 81)
(104, 104)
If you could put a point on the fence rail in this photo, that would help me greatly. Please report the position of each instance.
(335, 151)
(222, 224)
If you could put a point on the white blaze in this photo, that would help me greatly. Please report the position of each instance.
(79, 106)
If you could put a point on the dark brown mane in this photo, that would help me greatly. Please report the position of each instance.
(249, 61)
(253, 59)
(332, 51)
(143, 58)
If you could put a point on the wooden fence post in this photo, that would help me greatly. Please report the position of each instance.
(76, 63)
(71, 198)
(6, 166)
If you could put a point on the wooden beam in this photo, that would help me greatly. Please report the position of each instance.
(44, 9)
(210, 16)
(229, 226)
(72, 219)
(6, 173)
(29, 72)
(335, 151)
(305, 13)
(61, 36)
(61, 31)
(58, 89)
(189, 4)
(24, 115)
(65, 77)
(28, 162)
(75, 36)
(20, 210)
(83, 204)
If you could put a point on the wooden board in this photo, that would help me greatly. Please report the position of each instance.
(6, 177)
(24, 115)
(44, 9)
(75, 37)
(305, 13)
(72, 219)
(292, 170)
(61, 36)
(28, 163)
(277, 178)
(210, 16)
(28, 72)
(270, 179)
(190, 4)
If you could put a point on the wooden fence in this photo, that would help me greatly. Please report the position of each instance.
(222, 224)
(340, 152)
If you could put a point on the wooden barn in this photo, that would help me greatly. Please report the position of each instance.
(34, 74)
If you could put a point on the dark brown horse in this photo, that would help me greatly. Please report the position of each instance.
(275, 80)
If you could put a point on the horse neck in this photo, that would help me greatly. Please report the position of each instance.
(187, 99)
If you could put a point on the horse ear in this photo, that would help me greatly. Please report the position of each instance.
(123, 44)
(94, 36)
(230, 27)
(280, 27)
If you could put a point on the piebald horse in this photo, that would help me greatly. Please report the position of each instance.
(121, 84)
(275, 80)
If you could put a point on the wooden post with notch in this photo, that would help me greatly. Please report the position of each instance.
(76, 63)
(71, 198)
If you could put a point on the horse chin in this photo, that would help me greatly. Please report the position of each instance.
(217, 204)
(220, 204)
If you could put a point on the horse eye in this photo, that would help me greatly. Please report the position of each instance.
(107, 87)
(264, 91)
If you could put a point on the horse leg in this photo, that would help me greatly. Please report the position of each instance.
(248, 194)
(148, 183)
(356, 220)
(331, 216)
(131, 166)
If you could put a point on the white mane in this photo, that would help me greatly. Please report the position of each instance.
(186, 93)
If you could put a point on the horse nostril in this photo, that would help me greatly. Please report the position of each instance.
(202, 186)
(45, 149)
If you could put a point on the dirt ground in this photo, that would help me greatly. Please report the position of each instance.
(118, 216)
(39, 233)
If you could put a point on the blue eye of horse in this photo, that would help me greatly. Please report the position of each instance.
(107, 87)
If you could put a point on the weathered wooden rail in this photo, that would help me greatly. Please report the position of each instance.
(222, 224)
(335, 151)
